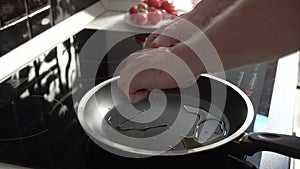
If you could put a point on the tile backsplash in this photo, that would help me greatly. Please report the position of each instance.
(11, 10)
(13, 37)
(21, 20)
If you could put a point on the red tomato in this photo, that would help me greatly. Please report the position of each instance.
(145, 1)
(142, 6)
(155, 3)
(133, 9)
(168, 6)
(151, 9)
(141, 18)
(155, 17)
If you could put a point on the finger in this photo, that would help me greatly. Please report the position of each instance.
(153, 36)
(150, 39)
(151, 79)
(130, 85)
(138, 96)
(163, 41)
(143, 80)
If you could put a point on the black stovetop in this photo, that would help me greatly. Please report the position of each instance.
(39, 126)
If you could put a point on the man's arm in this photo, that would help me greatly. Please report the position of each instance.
(255, 31)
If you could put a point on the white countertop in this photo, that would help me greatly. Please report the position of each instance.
(283, 102)
(114, 21)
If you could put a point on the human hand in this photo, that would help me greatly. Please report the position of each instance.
(155, 68)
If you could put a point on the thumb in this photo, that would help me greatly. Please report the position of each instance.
(138, 95)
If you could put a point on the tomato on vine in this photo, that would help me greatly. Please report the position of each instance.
(141, 18)
(154, 3)
(155, 16)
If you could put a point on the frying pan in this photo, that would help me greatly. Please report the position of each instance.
(99, 116)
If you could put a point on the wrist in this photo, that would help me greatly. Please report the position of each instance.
(189, 57)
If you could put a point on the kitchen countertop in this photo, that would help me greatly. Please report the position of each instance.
(114, 21)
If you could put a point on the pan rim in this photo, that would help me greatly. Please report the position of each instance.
(144, 152)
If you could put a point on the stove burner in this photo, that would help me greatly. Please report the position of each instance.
(23, 118)
(25, 137)
(44, 133)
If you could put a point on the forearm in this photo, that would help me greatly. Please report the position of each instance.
(255, 31)
(206, 10)
(200, 17)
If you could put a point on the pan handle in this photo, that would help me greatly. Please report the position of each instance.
(279, 143)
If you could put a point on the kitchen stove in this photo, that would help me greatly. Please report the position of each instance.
(40, 130)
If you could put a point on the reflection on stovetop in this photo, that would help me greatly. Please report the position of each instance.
(39, 126)
(212, 159)
(40, 137)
